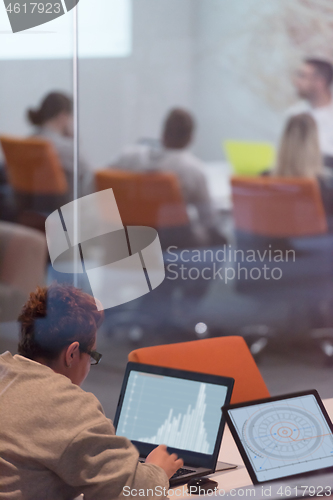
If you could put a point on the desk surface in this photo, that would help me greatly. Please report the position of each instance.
(237, 478)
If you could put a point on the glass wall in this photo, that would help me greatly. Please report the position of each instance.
(37, 127)
(201, 121)
(257, 262)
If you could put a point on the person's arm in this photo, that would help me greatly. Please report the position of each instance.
(104, 466)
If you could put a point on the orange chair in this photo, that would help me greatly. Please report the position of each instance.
(225, 356)
(35, 175)
(146, 199)
(33, 166)
(278, 207)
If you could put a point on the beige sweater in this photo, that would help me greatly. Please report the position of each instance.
(55, 441)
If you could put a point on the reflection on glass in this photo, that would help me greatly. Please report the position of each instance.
(264, 270)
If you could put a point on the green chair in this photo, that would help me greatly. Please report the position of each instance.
(249, 158)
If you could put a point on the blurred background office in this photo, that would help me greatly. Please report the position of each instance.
(252, 80)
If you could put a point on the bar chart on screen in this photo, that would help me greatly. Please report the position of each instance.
(185, 431)
(180, 413)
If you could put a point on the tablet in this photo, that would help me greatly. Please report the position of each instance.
(282, 436)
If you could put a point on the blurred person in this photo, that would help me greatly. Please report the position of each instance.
(172, 155)
(299, 152)
(313, 84)
(55, 441)
(299, 156)
(54, 122)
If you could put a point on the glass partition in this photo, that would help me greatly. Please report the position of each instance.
(189, 188)
(246, 247)
(37, 135)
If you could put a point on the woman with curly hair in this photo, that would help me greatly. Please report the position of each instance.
(55, 441)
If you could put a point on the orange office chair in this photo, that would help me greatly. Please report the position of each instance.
(271, 210)
(224, 356)
(34, 172)
(278, 207)
(145, 199)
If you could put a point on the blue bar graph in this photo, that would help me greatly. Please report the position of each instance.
(180, 413)
(185, 431)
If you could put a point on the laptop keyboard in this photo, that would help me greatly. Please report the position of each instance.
(182, 472)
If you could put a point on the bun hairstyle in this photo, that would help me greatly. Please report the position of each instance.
(53, 318)
(52, 105)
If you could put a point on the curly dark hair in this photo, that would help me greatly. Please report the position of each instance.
(53, 318)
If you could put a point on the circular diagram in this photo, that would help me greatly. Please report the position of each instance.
(283, 432)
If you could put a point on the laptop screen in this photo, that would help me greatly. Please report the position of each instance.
(178, 408)
(282, 438)
(180, 413)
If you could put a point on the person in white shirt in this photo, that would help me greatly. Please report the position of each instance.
(313, 84)
(173, 156)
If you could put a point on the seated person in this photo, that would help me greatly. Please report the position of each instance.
(173, 156)
(299, 156)
(54, 122)
(55, 441)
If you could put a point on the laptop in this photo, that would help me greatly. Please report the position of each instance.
(180, 409)
(283, 438)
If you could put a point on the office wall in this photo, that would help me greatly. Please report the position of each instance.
(193, 53)
(120, 99)
(228, 100)
(130, 96)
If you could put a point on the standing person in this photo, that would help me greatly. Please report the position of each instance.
(54, 122)
(313, 84)
(55, 441)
